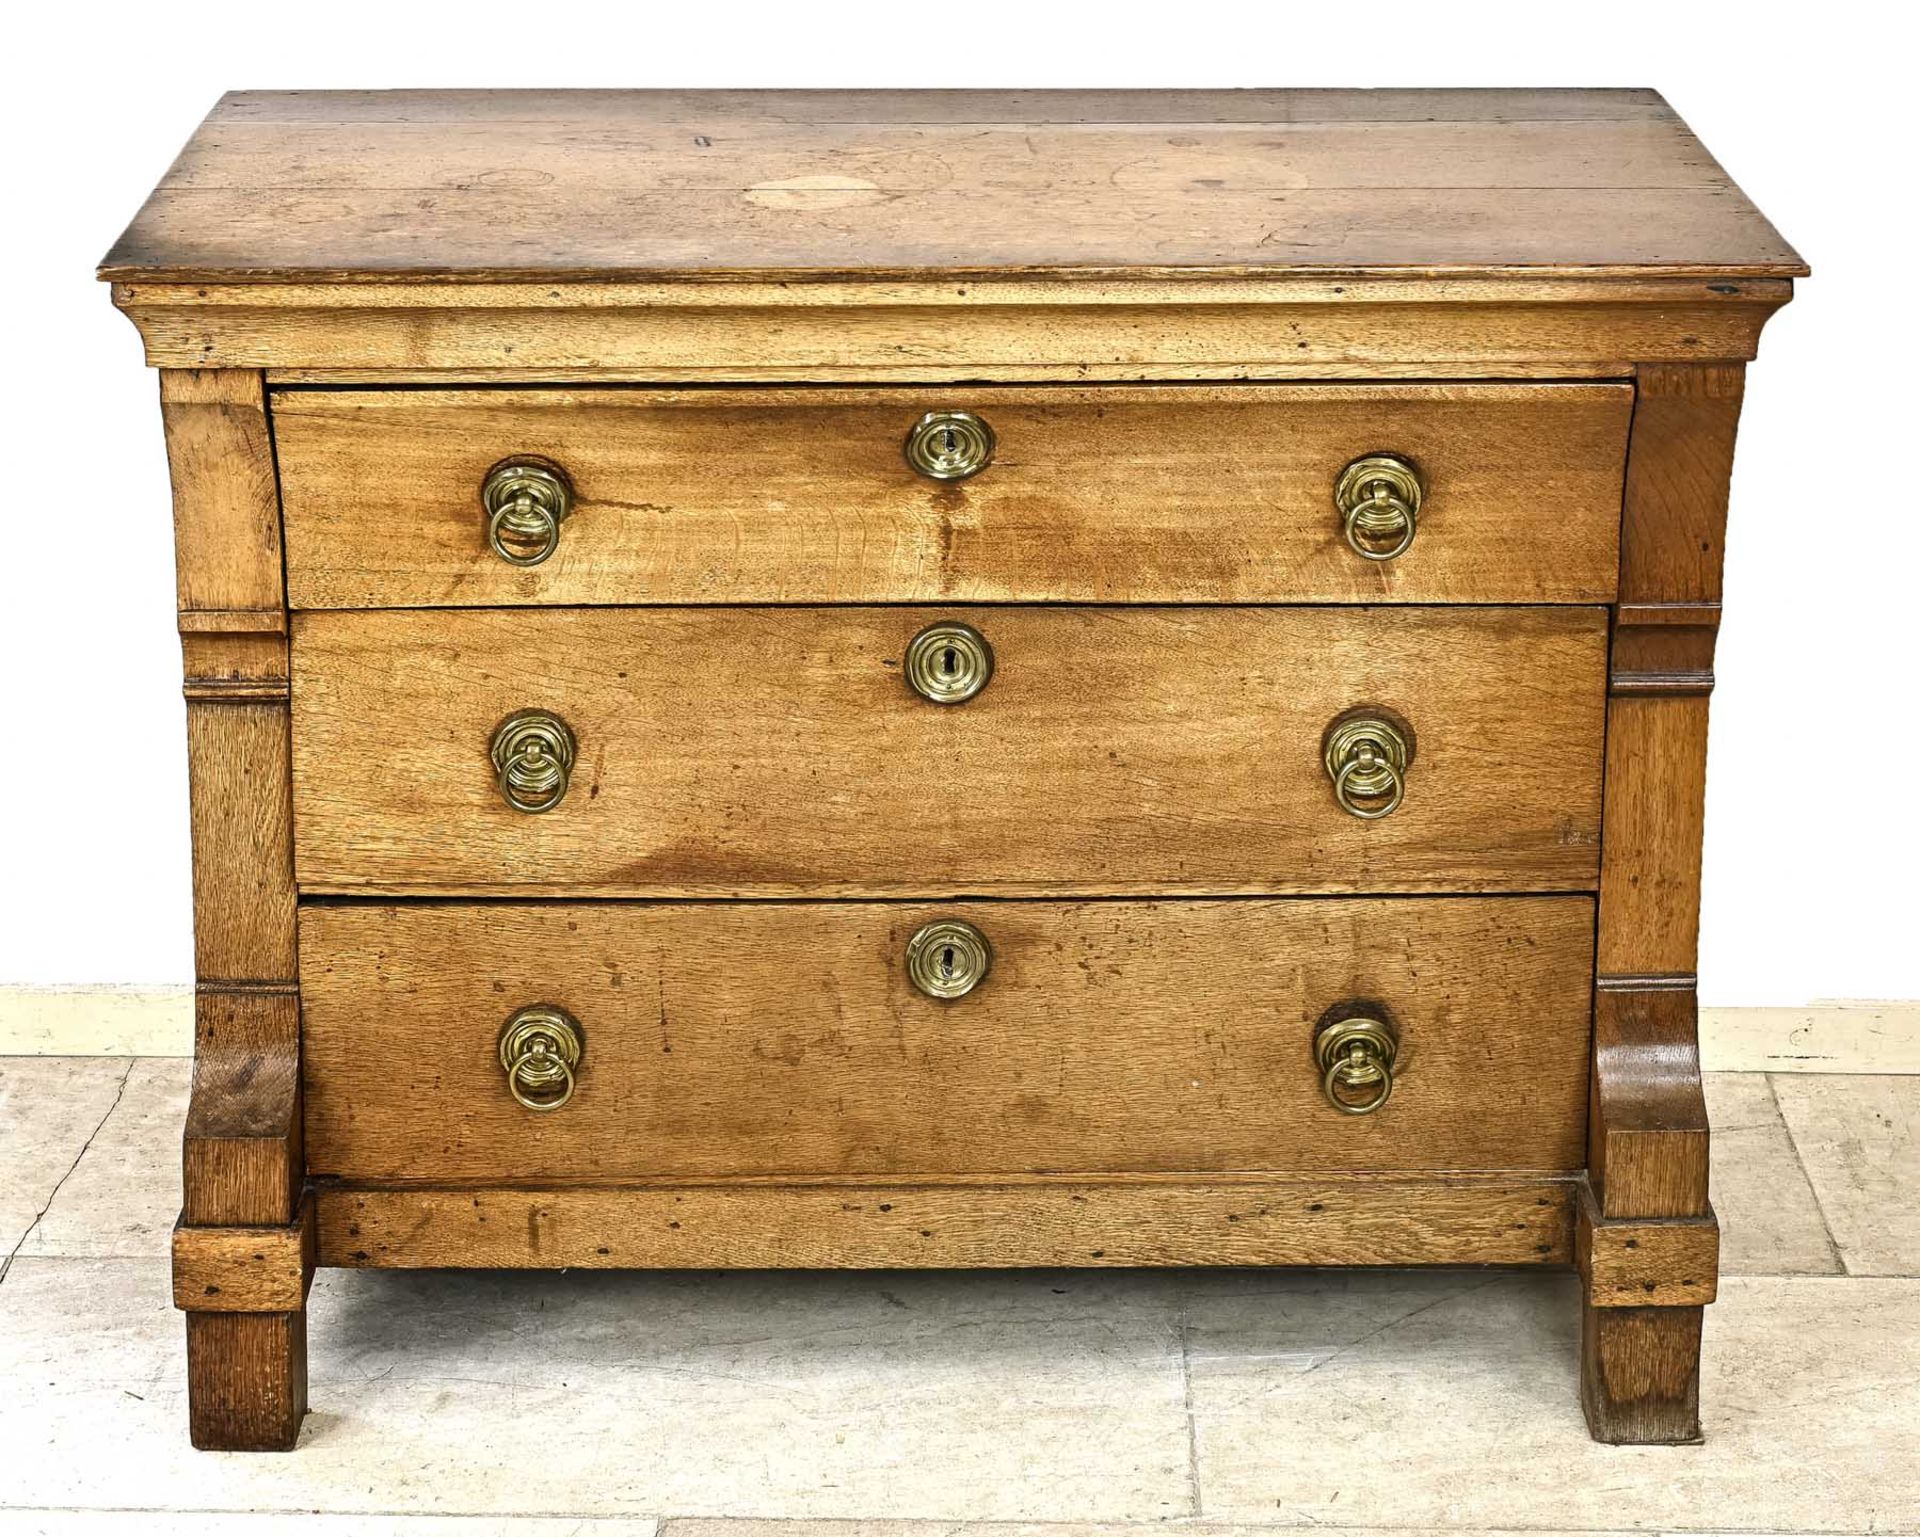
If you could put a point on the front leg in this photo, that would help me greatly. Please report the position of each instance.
(243, 1251)
(1646, 1284)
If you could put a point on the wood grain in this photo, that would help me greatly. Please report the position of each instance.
(786, 1039)
(1074, 107)
(241, 1152)
(755, 159)
(245, 1270)
(1649, 1135)
(246, 1380)
(1647, 1127)
(1139, 494)
(243, 895)
(1646, 1261)
(226, 508)
(1655, 828)
(243, 1156)
(779, 752)
(1640, 1374)
(1008, 329)
(1673, 538)
(920, 1226)
(696, 184)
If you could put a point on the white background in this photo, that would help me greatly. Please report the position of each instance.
(1811, 842)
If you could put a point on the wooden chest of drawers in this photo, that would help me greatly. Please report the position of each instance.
(888, 679)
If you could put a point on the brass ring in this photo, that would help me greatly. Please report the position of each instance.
(1380, 503)
(540, 1046)
(533, 754)
(526, 519)
(529, 1101)
(1340, 1071)
(1379, 496)
(1353, 766)
(1356, 1045)
(525, 499)
(533, 780)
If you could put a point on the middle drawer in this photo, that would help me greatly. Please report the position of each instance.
(782, 752)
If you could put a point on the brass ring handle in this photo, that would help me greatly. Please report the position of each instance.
(533, 754)
(1378, 498)
(525, 501)
(1367, 752)
(948, 662)
(1355, 1045)
(540, 1051)
(948, 958)
(1363, 766)
(949, 445)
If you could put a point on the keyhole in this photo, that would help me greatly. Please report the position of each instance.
(948, 442)
(946, 963)
(949, 661)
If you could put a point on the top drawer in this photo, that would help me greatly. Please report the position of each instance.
(1164, 494)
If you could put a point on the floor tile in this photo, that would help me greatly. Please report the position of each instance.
(79, 1323)
(924, 1396)
(1859, 1139)
(150, 1523)
(1829, 1036)
(737, 1527)
(1451, 1398)
(123, 1196)
(49, 1106)
(1770, 1223)
(97, 1020)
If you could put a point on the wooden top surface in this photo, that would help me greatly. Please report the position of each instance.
(636, 185)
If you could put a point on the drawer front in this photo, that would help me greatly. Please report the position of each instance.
(750, 1039)
(1122, 494)
(751, 751)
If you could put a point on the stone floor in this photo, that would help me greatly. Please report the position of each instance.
(871, 1404)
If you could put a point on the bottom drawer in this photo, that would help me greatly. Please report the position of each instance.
(770, 1039)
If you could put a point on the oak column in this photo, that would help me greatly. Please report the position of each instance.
(242, 1166)
(1647, 1243)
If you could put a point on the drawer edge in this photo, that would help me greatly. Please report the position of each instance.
(1003, 1223)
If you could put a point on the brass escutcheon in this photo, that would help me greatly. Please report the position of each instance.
(525, 501)
(533, 759)
(1378, 498)
(948, 662)
(1355, 1044)
(540, 1050)
(948, 958)
(949, 445)
(1367, 751)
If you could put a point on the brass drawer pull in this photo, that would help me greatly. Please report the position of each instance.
(1355, 1045)
(525, 501)
(949, 445)
(949, 662)
(533, 759)
(1367, 753)
(1378, 498)
(948, 958)
(540, 1050)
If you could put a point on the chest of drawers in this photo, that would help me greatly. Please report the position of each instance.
(947, 679)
